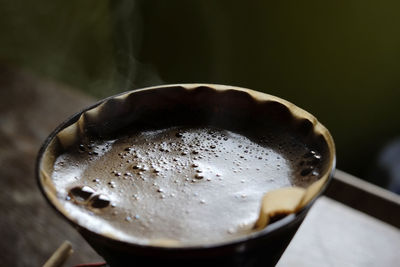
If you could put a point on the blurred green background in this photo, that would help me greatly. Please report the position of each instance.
(340, 60)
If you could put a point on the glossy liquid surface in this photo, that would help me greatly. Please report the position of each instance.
(192, 185)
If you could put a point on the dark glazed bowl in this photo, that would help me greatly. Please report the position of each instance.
(221, 106)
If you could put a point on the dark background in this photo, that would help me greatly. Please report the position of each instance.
(340, 60)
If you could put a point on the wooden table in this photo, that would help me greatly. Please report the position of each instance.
(336, 235)
(333, 234)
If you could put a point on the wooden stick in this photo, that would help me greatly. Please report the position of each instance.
(60, 255)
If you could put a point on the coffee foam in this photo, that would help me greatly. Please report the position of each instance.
(195, 185)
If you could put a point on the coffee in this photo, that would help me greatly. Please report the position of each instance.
(190, 174)
(190, 184)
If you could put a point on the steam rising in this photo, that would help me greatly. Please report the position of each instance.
(127, 36)
(90, 45)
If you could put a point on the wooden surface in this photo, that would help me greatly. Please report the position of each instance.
(365, 197)
(335, 235)
(30, 108)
